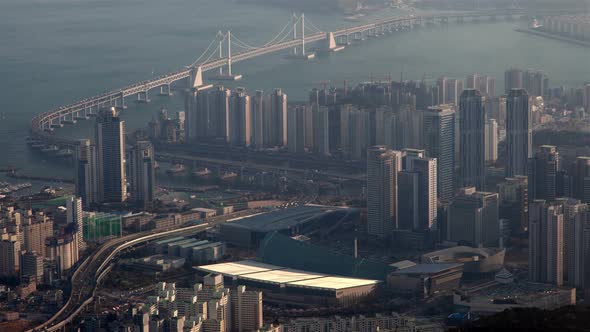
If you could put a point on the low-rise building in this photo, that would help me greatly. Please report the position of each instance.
(360, 323)
(504, 292)
(475, 261)
(426, 280)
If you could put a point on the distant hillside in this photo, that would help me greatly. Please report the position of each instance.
(567, 5)
(324, 6)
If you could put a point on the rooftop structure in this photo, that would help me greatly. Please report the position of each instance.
(333, 283)
(425, 279)
(492, 297)
(474, 260)
(282, 276)
(234, 269)
(282, 250)
(426, 268)
(249, 231)
(286, 285)
(402, 264)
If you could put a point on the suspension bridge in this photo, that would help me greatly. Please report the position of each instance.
(226, 49)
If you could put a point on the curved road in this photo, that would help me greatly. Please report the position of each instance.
(89, 274)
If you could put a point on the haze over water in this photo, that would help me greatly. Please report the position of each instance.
(53, 52)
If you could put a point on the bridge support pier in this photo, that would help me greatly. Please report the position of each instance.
(419, 21)
(343, 40)
(145, 95)
(69, 119)
(120, 101)
(165, 90)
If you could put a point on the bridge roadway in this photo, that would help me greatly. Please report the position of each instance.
(86, 278)
(44, 122)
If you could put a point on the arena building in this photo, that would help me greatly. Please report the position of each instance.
(282, 285)
(249, 231)
(425, 280)
(476, 261)
(504, 292)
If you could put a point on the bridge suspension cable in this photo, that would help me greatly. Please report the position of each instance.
(289, 24)
(284, 34)
(313, 27)
(242, 44)
(215, 41)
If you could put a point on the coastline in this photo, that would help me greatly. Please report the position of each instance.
(553, 36)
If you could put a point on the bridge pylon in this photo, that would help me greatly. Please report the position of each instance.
(196, 79)
(330, 44)
(229, 76)
(301, 38)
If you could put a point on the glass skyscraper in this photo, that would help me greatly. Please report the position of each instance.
(439, 143)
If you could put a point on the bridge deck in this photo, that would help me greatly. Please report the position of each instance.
(43, 122)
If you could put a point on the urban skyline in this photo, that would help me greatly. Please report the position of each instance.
(438, 202)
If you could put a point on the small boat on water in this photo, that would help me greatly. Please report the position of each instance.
(176, 169)
(50, 149)
(227, 176)
(64, 153)
(202, 172)
(354, 18)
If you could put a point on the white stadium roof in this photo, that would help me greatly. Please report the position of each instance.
(272, 274)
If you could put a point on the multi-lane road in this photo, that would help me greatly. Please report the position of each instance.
(86, 278)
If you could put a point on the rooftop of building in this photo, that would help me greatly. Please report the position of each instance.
(282, 275)
(207, 245)
(204, 210)
(402, 264)
(283, 218)
(169, 240)
(461, 252)
(179, 242)
(521, 291)
(234, 269)
(282, 250)
(195, 243)
(273, 274)
(161, 259)
(332, 282)
(428, 268)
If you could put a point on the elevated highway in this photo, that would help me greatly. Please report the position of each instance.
(89, 274)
